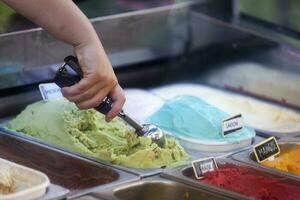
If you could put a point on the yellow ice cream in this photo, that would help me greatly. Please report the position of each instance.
(61, 123)
(288, 160)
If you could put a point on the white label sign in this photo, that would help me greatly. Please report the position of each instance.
(50, 91)
(204, 165)
(232, 124)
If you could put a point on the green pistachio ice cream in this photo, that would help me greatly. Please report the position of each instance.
(61, 123)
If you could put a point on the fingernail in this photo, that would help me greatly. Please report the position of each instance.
(107, 119)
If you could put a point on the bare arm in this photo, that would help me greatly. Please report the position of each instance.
(61, 18)
(64, 20)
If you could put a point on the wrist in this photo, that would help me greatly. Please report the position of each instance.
(88, 47)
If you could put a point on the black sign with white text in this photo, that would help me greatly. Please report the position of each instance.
(204, 165)
(266, 149)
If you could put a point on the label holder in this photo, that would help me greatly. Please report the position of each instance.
(50, 91)
(261, 157)
(199, 165)
(232, 124)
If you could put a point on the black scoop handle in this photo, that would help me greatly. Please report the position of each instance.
(70, 73)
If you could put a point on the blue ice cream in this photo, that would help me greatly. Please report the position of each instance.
(193, 118)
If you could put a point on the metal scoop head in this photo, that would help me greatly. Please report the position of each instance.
(145, 130)
(70, 73)
(155, 133)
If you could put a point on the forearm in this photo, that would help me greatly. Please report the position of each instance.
(64, 20)
(61, 18)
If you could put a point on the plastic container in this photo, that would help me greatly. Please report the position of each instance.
(29, 183)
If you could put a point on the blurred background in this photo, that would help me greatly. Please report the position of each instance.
(249, 47)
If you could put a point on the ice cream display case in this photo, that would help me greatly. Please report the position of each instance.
(125, 53)
(178, 62)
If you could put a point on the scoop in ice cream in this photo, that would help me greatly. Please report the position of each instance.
(252, 182)
(288, 160)
(191, 117)
(59, 122)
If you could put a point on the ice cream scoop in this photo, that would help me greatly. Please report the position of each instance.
(70, 73)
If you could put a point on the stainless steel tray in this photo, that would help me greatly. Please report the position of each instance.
(157, 188)
(40, 154)
(139, 172)
(142, 173)
(278, 135)
(176, 174)
(256, 140)
(245, 158)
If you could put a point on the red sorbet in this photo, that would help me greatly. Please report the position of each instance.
(252, 182)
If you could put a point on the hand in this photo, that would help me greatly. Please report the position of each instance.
(98, 80)
(65, 21)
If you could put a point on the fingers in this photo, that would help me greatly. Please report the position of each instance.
(95, 101)
(78, 88)
(93, 96)
(90, 98)
(88, 94)
(118, 101)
